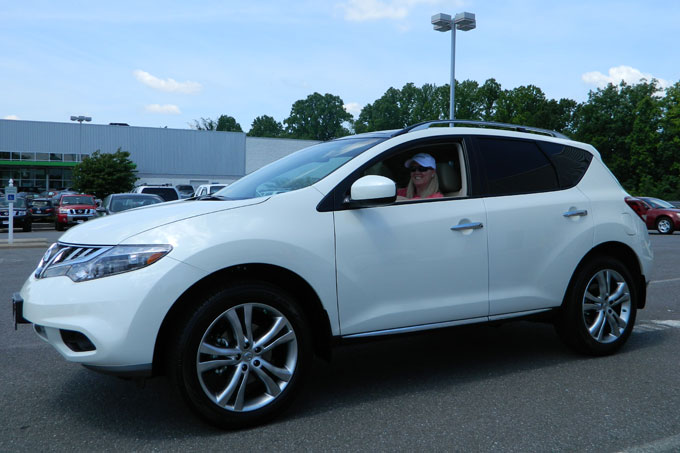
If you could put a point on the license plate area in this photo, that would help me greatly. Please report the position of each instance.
(18, 310)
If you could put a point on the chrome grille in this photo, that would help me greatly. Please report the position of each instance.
(61, 254)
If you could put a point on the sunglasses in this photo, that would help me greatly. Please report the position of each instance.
(419, 168)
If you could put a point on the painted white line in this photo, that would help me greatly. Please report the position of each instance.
(665, 281)
(669, 444)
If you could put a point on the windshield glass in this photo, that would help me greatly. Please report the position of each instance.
(298, 170)
(18, 203)
(656, 203)
(77, 200)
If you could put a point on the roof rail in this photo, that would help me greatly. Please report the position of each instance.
(514, 127)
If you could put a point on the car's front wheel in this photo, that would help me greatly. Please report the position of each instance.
(664, 225)
(598, 313)
(241, 355)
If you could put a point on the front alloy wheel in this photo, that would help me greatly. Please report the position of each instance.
(664, 226)
(247, 357)
(241, 355)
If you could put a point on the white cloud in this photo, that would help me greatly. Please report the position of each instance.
(167, 109)
(620, 73)
(353, 108)
(363, 10)
(169, 85)
(11, 117)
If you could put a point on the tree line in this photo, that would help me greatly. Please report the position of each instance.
(635, 127)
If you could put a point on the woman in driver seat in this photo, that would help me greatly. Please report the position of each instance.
(423, 182)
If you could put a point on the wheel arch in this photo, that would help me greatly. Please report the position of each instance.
(285, 279)
(627, 256)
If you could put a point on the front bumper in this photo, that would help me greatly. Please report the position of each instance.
(72, 219)
(109, 323)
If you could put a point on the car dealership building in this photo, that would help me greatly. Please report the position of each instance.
(40, 155)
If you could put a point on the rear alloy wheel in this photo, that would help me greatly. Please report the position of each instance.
(241, 356)
(664, 225)
(599, 310)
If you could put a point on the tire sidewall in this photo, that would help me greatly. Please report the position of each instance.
(183, 355)
(573, 327)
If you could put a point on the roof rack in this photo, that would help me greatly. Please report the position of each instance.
(514, 127)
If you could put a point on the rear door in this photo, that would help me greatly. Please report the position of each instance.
(539, 224)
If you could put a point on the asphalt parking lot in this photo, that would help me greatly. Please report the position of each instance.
(512, 388)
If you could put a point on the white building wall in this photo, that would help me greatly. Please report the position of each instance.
(261, 151)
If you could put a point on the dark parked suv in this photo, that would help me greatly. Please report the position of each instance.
(22, 214)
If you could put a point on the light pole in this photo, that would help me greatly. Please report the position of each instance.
(80, 119)
(443, 22)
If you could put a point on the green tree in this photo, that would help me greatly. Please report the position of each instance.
(228, 123)
(102, 174)
(205, 124)
(623, 122)
(224, 123)
(265, 126)
(318, 118)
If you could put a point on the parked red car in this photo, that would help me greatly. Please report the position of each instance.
(658, 214)
(73, 209)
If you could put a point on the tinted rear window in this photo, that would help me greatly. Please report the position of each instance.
(163, 192)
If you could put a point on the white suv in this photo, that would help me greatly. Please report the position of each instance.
(231, 295)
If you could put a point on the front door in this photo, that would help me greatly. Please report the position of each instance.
(403, 265)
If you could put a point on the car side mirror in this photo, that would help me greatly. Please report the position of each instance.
(372, 190)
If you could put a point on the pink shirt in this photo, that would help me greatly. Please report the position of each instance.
(402, 193)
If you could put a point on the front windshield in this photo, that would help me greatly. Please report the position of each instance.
(298, 170)
(77, 200)
(657, 204)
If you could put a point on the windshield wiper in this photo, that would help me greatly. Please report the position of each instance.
(212, 198)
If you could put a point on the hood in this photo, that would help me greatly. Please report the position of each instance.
(115, 228)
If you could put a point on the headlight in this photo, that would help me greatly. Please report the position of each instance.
(63, 210)
(115, 260)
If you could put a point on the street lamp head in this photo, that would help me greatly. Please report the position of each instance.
(465, 21)
(81, 118)
(442, 22)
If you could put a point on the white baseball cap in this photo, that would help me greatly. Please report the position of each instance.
(423, 159)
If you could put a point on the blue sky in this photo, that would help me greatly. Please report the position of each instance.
(155, 64)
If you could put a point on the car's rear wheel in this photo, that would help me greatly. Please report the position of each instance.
(58, 226)
(241, 355)
(599, 310)
(28, 227)
(664, 225)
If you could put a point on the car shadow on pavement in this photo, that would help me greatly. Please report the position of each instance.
(358, 374)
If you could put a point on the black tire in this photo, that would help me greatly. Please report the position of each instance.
(239, 382)
(28, 227)
(579, 323)
(58, 226)
(664, 225)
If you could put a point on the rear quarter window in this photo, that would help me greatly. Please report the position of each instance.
(571, 162)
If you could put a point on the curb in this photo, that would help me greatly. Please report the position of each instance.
(23, 243)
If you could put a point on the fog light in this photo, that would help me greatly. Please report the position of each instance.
(76, 341)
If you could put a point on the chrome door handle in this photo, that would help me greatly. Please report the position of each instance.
(578, 213)
(467, 226)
